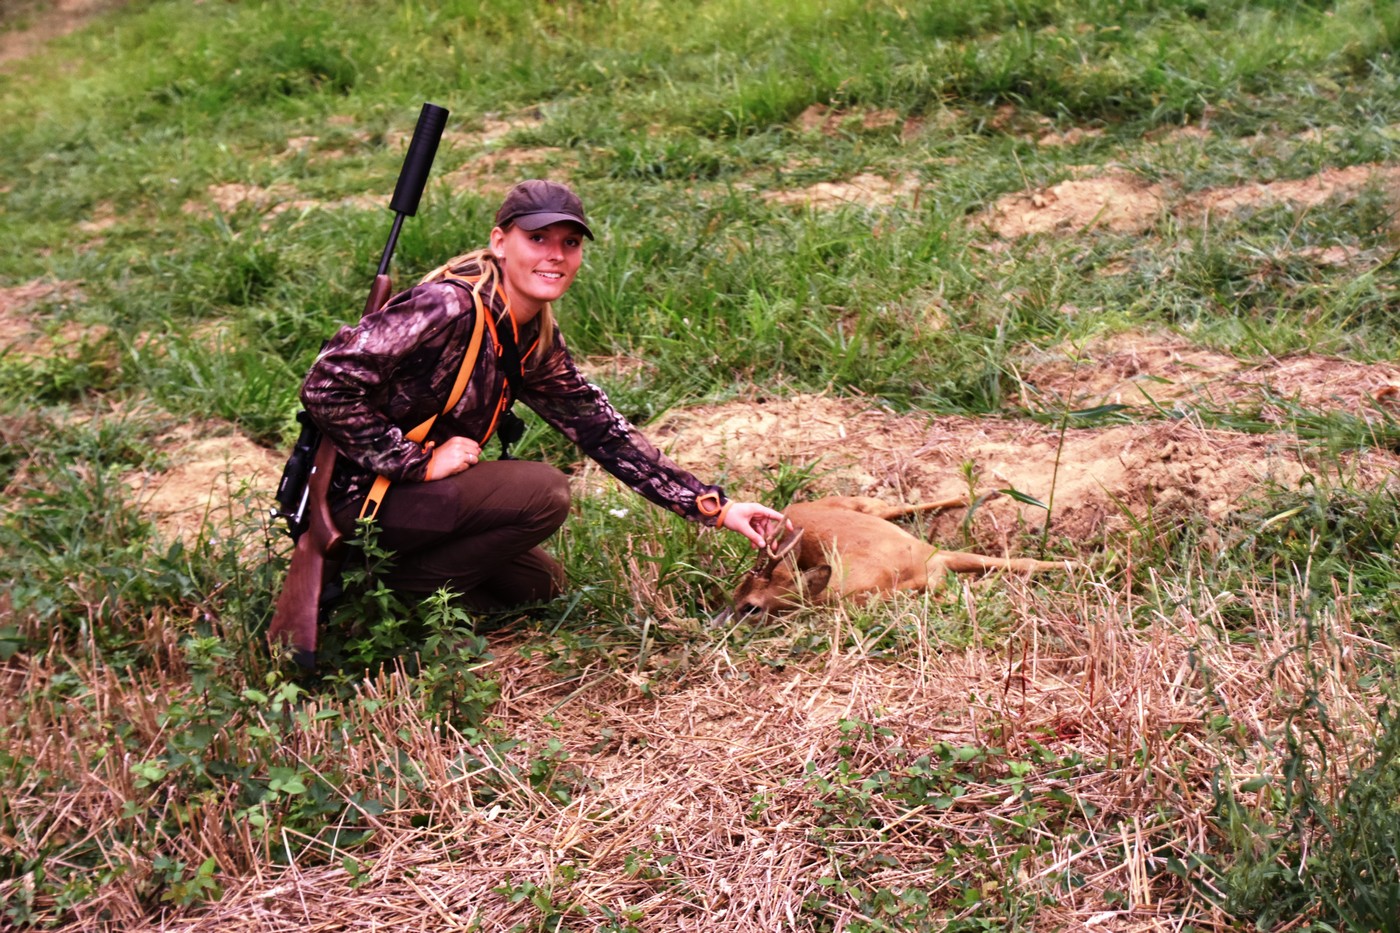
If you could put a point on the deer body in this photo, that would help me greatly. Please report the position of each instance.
(849, 548)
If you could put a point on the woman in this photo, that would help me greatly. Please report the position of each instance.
(453, 518)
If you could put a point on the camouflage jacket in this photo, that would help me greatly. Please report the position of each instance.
(376, 381)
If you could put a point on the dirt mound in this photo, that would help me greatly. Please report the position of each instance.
(216, 478)
(1124, 203)
(1191, 134)
(1298, 193)
(1096, 481)
(483, 167)
(23, 330)
(1119, 202)
(1070, 137)
(496, 126)
(315, 150)
(747, 440)
(44, 22)
(1139, 369)
(278, 199)
(1090, 477)
(1333, 256)
(231, 196)
(618, 368)
(480, 168)
(495, 172)
(864, 190)
(832, 121)
(102, 219)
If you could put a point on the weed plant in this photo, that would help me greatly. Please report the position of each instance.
(1306, 850)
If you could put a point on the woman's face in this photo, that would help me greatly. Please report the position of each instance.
(539, 265)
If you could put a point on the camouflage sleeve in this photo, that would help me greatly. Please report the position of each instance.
(378, 374)
(558, 392)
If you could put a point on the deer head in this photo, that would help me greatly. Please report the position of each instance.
(776, 583)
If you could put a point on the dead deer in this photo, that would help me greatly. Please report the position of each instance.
(846, 547)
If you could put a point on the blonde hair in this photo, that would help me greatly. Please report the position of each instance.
(479, 267)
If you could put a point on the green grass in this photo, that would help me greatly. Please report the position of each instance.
(672, 126)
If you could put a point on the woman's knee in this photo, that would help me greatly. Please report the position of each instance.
(553, 497)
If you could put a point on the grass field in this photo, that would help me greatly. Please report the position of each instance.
(1130, 263)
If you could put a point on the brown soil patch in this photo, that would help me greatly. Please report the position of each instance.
(865, 190)
(1070, 137)
(1158, 469)
(1118, 202)
(43, 22)
(1009, 118)
(1298, 193)
(278, 199)
(490, 172)
(1138, 369)
(216, 478)
(18, 300)
(493, 127)
(310, 149)
(1125, 204)
(228, 198)
(301, 145)
(1180, 134)
(1124, 370)
(484, 168)
(830, 121)
(494, 173)
(943, 120)
(24, 315)
(1334, 256)
(104, 218)
(617, 369)
(355, 202)
(496, 126)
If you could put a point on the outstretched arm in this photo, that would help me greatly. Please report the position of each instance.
(581, 412)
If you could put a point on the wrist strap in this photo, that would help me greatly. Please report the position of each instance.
(709, 505)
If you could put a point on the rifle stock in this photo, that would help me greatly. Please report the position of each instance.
(315, 562)
(378, 293)
(316, 557)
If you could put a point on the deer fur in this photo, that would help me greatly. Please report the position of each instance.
(849, 548)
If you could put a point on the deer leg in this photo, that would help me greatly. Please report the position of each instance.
(898, 511)
(965, 562)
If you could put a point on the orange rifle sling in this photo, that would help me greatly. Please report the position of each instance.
(381, 482)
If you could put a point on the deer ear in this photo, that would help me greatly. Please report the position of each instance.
(816, 580)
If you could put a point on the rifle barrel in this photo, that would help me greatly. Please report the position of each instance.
(389, 245)
(414, 174)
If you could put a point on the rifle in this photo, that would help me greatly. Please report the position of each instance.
(314, 573)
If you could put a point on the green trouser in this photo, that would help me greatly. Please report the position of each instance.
(477, 532)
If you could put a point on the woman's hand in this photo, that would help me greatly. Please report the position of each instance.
(451, 457)
(752, 520)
